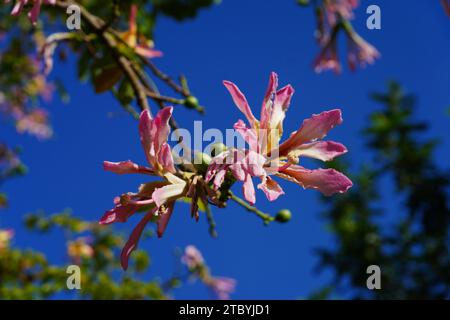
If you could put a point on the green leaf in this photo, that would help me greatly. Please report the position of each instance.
(107, 78)
(125, 94)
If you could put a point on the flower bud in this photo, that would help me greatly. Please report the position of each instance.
(201, 161)
(283, 216)
(218, 148)
(202, 158)
(191, 102)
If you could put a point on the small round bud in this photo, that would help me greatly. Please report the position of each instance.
(202, 159)
(191, 102)
(283, 216)
(218, 148)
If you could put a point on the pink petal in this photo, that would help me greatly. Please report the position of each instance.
(145, 132)
(271, 188)
(248, 134)
(162, 126)
(165, 158)
(327, 181)
(238, 171)
(132, 18)
(154, 134)
(255, 164)
(281, 104)
(34, 13)
(17, 8)
(222, 287)
(164, 220)
(125, 167)
(266, 108)
(328, 57)
(219, 178)
(312, 129)
(134, 239)
(249, 190)
(119, 213)
(162, 195)
(322, 150)
(147, 52)
(241, 102)
(238, 167)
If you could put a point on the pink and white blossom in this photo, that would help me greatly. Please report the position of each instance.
(35, 122)
(268, 158)
(192, 257)
(140, 44)
(340, 8)
(327, 58)
(156, 198)
(360, 52)
(222, 287)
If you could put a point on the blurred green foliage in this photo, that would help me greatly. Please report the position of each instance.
(27, 274)
(410, 245)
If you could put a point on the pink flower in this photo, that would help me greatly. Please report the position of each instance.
(343, 8)
(267, 157)
(35, 122)
(142, 46)
(337, 15)
(35, 10)
(244, 164)
(192, 258)
(360, 52)
(222, 287)
(157, 198)
(328, 57)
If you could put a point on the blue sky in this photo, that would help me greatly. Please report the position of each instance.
(242, 41)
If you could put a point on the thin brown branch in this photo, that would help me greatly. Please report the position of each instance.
(167, 79)
(99, 26)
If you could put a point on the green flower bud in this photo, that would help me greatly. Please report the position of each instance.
(201, 162)
(191, 102)
(218, 148)
(283, 216)
(202, 159)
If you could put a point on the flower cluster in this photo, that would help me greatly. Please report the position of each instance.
(221, 286)
(332, 17)
(264, 159)
(33, 15)
(156, 198)
(267, 158)
(20, 96)
(34, 122)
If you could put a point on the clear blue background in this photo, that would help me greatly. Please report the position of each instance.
(240, 41)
